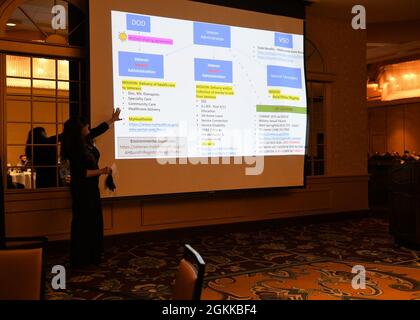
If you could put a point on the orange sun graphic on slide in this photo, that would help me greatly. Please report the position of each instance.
(123, 36)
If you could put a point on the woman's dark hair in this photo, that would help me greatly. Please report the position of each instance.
(35, 136)
(73, 141)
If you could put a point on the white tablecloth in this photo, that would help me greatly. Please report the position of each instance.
(24, 178)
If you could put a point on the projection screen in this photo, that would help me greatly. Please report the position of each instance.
(212, 98)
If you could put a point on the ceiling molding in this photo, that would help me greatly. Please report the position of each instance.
(393, 52)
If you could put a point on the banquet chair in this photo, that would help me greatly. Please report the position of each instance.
(190, 275)
(22, 268)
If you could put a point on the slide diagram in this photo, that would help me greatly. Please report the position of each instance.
(196, 89)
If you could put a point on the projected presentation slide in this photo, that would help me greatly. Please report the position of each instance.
(194, 89)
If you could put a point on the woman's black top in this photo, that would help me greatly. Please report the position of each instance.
(88, 160)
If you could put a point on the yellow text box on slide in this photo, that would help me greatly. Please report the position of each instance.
(211, 92)
(285, 97)
(208, 143)
(140, 119)
(128, 85)
(133, 85)
(276, 94)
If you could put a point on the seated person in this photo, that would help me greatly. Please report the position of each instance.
(23, 161)
(406, 155)
(41, 152)
(11, 185)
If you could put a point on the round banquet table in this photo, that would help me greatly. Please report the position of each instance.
(24, 178)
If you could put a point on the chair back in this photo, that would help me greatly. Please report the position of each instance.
(190, 275)
(22, 269)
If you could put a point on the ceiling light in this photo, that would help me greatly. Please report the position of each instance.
(11, 24)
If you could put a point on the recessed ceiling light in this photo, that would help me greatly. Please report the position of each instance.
(11, 24)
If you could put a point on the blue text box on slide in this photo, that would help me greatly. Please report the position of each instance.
(284, 77)
(283, 40)
(213, 70)
(140, 65)
(137, 22)
(209, 34)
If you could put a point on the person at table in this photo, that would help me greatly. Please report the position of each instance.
(86, 245)
(41, 153)
(23, 162)
(13, 185)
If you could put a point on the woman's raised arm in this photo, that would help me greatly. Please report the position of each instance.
(104, 126)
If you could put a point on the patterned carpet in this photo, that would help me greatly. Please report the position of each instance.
(318, 281)
(267, 262)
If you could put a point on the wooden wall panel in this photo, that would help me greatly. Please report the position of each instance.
(323, 195)
(377, 122)
(176, 211)
(55, 224)
(412, 127)
(125, 217)
(378, 143)
(377, 131)
(397, 124)
(37, 205)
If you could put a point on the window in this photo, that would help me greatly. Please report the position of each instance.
(314, 59)
(315, 164)
(39, 93)
(315, 161)
(37, 103)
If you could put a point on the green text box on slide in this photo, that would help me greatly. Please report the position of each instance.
(284, 109)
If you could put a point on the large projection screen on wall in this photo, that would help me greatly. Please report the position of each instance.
(212, 98)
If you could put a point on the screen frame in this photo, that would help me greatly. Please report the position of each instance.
(221, 192)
